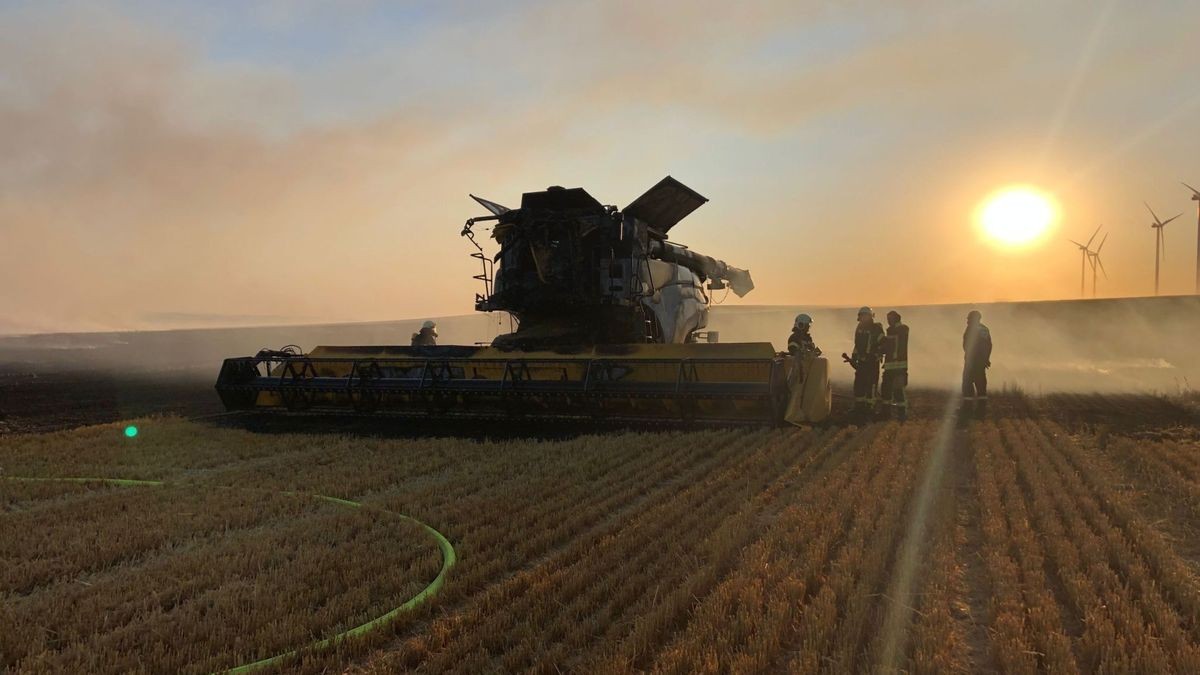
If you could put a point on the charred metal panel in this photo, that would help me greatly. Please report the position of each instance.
(665, 204)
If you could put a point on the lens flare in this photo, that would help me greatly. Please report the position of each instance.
(131, 431)
(1017, 216)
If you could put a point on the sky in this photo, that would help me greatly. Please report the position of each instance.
(179, 164)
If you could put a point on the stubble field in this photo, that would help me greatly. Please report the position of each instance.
(1059, 534)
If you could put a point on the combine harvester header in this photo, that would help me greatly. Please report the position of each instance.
(610, 320)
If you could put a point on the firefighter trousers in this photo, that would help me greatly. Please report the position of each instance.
(866, 380)
(895, 380)
(974, 386)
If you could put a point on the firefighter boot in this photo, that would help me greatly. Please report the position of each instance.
(965, 412)
(902, 413)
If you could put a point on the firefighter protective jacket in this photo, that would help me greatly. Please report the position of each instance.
(977, 346)
(895, 348)
(800, 343)
(867, 342)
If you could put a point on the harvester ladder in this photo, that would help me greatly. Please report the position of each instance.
(485, 275)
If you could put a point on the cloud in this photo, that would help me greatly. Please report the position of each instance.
(125, 186)
(144, 170)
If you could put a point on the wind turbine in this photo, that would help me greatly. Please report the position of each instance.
(1084, 253)
(1196, 198)
(1094, 258)
(1160, 244)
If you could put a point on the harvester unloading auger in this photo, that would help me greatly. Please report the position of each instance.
(610, 320)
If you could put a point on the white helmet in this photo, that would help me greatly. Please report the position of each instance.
(866, 310)
(803, 320)
(430, 326)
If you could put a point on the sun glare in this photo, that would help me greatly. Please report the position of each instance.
(1017, 216)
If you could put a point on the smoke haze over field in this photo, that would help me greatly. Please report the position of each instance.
(201, 164)
(1145, 345)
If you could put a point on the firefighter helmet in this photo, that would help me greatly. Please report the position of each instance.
(865, 310)
(803, 320)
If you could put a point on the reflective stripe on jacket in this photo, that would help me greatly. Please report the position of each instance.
(866, 341)
(895, 347)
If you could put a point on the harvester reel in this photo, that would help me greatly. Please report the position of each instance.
(438, 401)
(606, 371)
(292, 388)
(364, 398)
(238, 373)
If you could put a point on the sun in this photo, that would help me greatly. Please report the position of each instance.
(1017, 216)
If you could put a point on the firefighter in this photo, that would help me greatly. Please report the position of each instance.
(427, 337)
(800, 342)
(895, 366)
(977, 355)
(865, 361)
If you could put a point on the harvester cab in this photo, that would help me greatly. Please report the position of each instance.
(609, 318)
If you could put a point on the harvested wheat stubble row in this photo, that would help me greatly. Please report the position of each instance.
(746, 619)
(527, 516)
(671, 601)
(938, 635)
(266, 613)
(835, 619)
(465, 632)
(26, 497)
(637, 644)
(122, 528)
(1169, 468)
(1182, 456)
(525, 521)
(1094, 592)
(533, 518)
(1028, 627)
(1164, 589)
(162, 446)
(584, 608)
(183, 572)
(689, 542)
(535, 578)
(1128, 623)
(636, 485)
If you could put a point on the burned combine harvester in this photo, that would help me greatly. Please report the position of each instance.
(609, 317)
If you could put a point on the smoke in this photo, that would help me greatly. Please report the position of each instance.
(140, 176)
(1129, 345)
(137, 180)
(201, 350)
(1136, 344)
